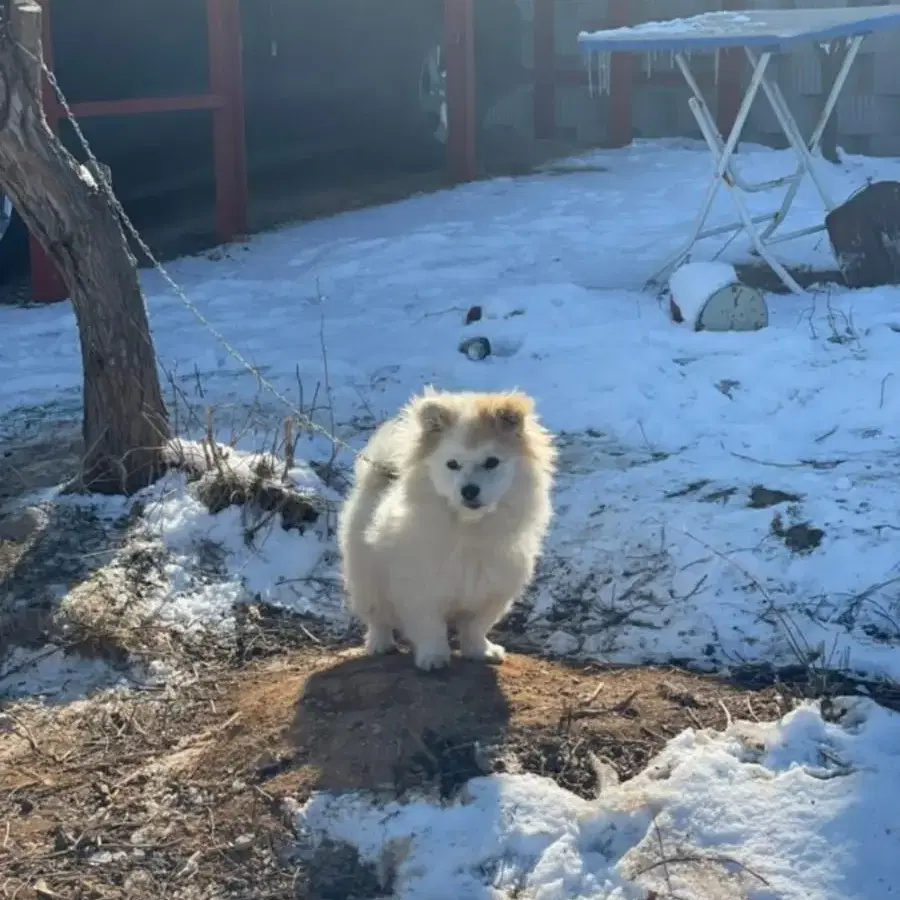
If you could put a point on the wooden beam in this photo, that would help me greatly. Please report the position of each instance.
(459, 47)
(730, 87)
(621, 76)
(140, 106)
(226, 82)
(543, 96)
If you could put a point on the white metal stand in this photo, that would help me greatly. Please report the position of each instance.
(727, 175)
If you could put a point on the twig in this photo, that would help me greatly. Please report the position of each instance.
(28, 734)
(309, 634)
(617, 708)
(335, 449)
(698, 858)
(442, 312)
(826, 435)
(694, 718)
(662, 853)
(211, 441)
(728, 720)
(593, 696)
(750, 710)
(884, 382)
(288, 445)
(823, 464)
(694, 590)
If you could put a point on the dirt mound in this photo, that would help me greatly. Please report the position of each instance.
(181, 791)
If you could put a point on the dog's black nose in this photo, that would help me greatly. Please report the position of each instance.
(470, 491)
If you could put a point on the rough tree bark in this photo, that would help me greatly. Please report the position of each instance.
(71, 215)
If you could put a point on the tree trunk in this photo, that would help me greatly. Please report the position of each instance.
(70, 213)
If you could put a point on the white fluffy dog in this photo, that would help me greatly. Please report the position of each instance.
(445, 521)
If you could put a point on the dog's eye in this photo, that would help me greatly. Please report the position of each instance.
(491, 462)
(453, 465)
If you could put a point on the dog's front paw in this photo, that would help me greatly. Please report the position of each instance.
(486, 651)
(379, 640)
(494, 653)
(429, 658)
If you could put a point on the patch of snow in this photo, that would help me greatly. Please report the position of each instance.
(801, 809)
(658, 550)
(692, 284)
(196, 570)
(709, 25)
(87, 176)
(212, 565)
(57, 676)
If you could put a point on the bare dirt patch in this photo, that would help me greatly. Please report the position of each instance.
(763, 498)
(46, 552)
(799, 537)
(44, 459)
(180, 792)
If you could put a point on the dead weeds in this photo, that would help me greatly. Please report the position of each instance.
(181, 792)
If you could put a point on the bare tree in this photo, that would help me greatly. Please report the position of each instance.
(67, 208)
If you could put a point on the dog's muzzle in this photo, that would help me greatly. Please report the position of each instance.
(470, 498)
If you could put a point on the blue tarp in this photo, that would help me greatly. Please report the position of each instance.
(760, 29)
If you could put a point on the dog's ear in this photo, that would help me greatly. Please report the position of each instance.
(509, 412)
(433, 415)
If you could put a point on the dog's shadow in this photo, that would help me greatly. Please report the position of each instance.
(379, 724)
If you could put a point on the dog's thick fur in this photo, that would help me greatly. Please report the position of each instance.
(445, 521)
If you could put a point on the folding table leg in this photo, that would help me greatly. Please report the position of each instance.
(804, 149)
(722, 154)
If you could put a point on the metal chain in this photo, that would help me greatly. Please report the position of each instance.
(97, 171)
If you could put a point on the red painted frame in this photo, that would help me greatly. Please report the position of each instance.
(226, 102)
(459, 49)
(730, 90)
(544, 74)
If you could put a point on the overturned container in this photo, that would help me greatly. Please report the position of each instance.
(709, 296)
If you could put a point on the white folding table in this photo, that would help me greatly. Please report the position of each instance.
(760, 33)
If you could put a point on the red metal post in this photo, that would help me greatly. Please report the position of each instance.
(544, 90)
(47, 285)
(225, 100)
(459, 44)
(729, 89)
(226, 82)
(621, 76)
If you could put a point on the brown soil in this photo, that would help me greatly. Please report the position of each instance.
(180, 793)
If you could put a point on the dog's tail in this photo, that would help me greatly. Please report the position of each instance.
(379, 463)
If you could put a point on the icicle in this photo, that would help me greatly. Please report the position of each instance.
(606, 74)
(716, 68)
(590, 69)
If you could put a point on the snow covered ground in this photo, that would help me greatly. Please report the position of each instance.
(723, 498)
(801, 809)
